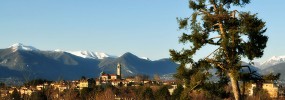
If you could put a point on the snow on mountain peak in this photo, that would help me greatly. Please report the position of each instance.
(20, 46)
(84, 54)
(272, 61)
(89, 54)
(101, 55)
(145, 58)
(275, 59)
(58, 50)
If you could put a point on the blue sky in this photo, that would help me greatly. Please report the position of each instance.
(144, 27)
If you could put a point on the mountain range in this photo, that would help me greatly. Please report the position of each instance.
(27, 62)
(270, 62)
(275, 64)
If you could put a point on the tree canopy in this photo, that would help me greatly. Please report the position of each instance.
(236, 34)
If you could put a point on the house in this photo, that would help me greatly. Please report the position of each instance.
(114, 76)
(73, 85)
(12, 89)
(3, 93)
(61, 86)
(42, 86)
(117, 82)
(130, 79)
(26, 91)
(85, 83)
(272, 89)
(105, 77)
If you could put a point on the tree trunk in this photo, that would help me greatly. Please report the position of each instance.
(235, 86)
(243, 89)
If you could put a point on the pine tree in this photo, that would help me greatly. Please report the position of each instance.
(147, 94)
(2, 85)
(15, 95)
(239, 34)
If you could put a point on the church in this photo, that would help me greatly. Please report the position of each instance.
(107, 77)
(114, 79)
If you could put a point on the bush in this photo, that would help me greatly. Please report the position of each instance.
(162, 93)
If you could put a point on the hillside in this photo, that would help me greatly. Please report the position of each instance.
(27, 62)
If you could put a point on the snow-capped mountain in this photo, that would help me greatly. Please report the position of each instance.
(22, 61)
(145, 58)
(104, 55)
(20, 46)
(272, 61)
(83, 54)
(274, 65)
(90, 55)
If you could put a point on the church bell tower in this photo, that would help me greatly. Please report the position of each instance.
(119, 70)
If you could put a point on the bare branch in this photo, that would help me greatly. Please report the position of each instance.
(215, 37)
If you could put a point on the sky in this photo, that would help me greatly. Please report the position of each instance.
(146, 28)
